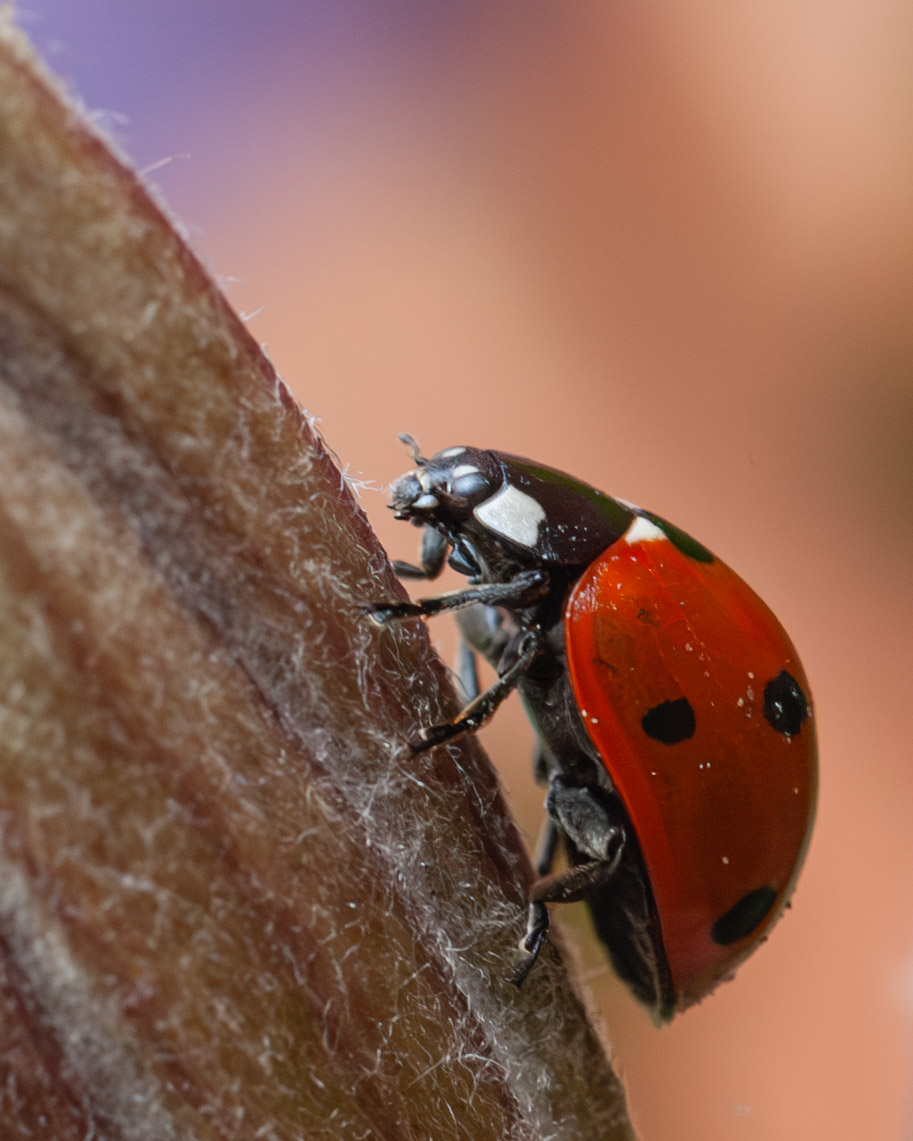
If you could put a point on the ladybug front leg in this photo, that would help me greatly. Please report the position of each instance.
(525, 589)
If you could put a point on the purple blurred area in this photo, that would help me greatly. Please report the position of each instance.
(174, 78)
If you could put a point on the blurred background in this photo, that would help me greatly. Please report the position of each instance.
(670, 251)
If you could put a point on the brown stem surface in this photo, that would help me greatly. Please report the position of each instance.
(232, 903)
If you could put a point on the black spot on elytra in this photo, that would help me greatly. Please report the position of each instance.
(785, 705)
(681, 539)
(670, 721)
(743, 917)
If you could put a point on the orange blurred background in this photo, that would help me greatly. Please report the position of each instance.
(671, 252)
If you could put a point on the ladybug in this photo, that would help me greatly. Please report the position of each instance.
(673, 714)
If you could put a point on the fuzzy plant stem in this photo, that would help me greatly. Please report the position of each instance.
(233, 904)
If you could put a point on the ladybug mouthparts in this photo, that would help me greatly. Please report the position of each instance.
(412, 494)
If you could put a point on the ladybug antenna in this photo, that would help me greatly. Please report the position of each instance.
(412, 443)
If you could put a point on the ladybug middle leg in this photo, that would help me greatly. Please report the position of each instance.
(511, 649)
(521, 652)
(587, 818)
(484, 630)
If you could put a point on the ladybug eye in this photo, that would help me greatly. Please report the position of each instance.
(467, 482)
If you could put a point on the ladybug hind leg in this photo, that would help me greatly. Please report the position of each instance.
(538, 923)
(586, 819)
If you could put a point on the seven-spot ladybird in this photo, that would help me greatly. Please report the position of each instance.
(674, 716)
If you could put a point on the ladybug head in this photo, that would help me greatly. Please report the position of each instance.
(503, 513)
(444, 489)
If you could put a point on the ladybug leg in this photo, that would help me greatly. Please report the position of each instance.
(587, 820)
(468, 672)
(586, 817)
(488, 631)
(520, 656)
(484, 631)
(538, 923)
(432, 558)
(523, 590)
(536, 931)
(541, 766)
(578, 882)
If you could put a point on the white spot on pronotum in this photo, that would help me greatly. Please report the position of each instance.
(449, 453)
(725, 859)
(513, 514)
(643, 531)
(463, 469)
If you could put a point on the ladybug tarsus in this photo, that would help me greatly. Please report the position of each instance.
(531, 944)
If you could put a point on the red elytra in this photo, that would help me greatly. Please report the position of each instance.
(723, 814)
